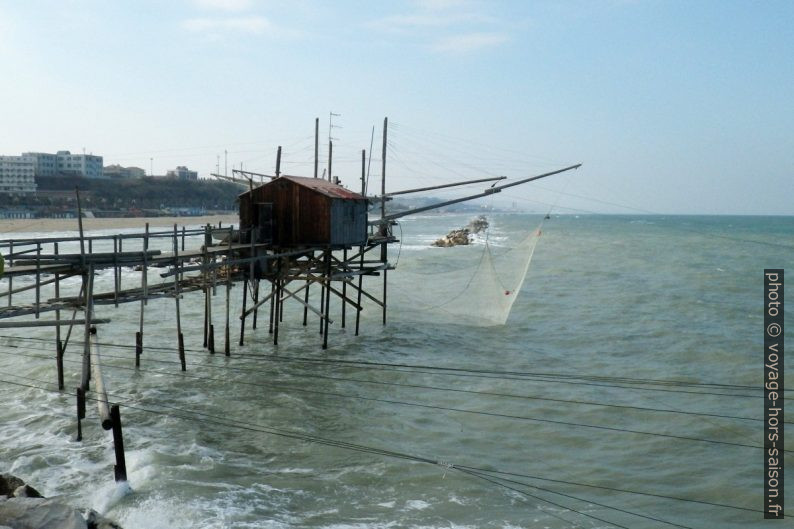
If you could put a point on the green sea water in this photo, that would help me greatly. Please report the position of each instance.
(632, 360)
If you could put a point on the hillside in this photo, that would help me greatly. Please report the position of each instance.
(127, 197)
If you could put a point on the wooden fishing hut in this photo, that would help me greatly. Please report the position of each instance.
(301, 212)
(302, 229)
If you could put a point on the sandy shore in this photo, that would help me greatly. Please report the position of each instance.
(37, 225)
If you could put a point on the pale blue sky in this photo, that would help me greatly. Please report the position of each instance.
(672, 107)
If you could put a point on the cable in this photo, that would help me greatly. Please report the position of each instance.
(472, 471)
(440, 388)
(427, 406)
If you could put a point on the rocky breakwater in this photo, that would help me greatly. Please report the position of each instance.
(23, 507)
(462, 236)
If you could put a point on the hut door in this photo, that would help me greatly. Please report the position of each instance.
(264, 221)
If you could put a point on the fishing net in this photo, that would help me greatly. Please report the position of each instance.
(476, 284)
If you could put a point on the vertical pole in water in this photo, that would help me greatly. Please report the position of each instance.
(327, 273)
(120, 469)
(145, 294)
(183, 238)
(88, 288)
(179, 337)
(80, 394)
(361, 248)
(205, 277)
(384, 225)
(316, 144)
(115, 271)
(11, 263)
(306, 292)
(121, 250)
(256, 303)
(38, 277)
(227, 346)
(322, 293)
(58, 345)
(277, 298)
(344, 286)
(272, 304)
(242, 312)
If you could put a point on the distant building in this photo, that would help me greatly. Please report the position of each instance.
(117, 171)
(64, 162)
(17, 175)
(182, 173)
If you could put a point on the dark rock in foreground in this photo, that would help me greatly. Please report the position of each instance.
(22, 507)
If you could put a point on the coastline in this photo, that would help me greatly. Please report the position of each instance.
(8, 226)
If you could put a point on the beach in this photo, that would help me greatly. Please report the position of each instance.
(89, 224)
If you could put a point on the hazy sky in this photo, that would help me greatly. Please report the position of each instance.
(672, 107)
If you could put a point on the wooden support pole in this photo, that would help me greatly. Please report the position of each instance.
(115, 271)
(227, 344)
(256, 303)
(58, 344)
(211, 339)
(59, 361)
(272, 304)
(361, 248)
(99, 382)
(183, 238)
(344, 287)
(330, 158)
(145, 289)
(179, 337)
(242, 315)
(80, 398)
(306, 302)
(277, 299)
(278, 162)
(384, 225)
(316, 144)
(325, 320)
(10, 264)
(88, 289)
(38, 277)
(120, 469)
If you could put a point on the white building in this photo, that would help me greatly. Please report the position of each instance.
(64, 162)
(17, 175)
(117, 171)
(183, 173)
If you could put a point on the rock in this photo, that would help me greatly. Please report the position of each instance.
(454, 238)
(94, 520)
(8, 484)
(39, 513)
(26, 491)
(479, 224)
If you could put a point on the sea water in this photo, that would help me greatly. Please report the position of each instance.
(611, 306)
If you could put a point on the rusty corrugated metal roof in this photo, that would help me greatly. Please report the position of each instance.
(323, 186)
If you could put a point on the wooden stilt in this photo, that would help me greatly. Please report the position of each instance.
(211, 339)
(256, 304)
(277, 298)
(10, 278)
(344, 286)
(272, 304)
(242, 315)
(58, 344)
(180, 339)
(120, 469)
(59, 361)
(227, 345)
(115, 271)
(38, 277)
(327, 298)
(80, 394)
